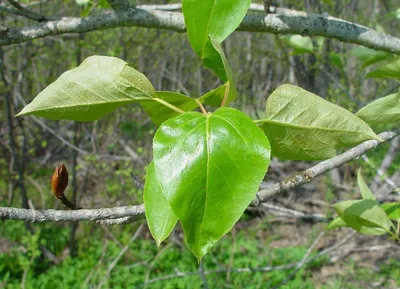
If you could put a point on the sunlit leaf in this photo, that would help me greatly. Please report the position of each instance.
(209, 167)
(303, 126)
(86, 93)
(369, 56)
(159, 215)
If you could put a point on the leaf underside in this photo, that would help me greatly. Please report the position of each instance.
(303, 126)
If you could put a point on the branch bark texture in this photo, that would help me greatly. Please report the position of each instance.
(285, 22)
(129, 214)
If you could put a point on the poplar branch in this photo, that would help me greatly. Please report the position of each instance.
(129, 214)
(284, 21)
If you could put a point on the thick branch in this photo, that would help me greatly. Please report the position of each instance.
(129, 214)
(289, 22)
(134, 212)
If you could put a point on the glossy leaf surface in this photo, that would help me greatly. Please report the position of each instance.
(364, 189)
(381, 111)
(86, 93)
(303, 126)
(392, 210)
(160, 113)
(364, 216)
(391, 70)
(212, 18)
(159, 215)
(210, 167)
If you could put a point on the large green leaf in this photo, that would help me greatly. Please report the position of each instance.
(392, 210)
(160, 217)
(86, 93)
(381, 111)
(210, 167)
(212, 18)
(365, 191)
(364, 216)
(160, 113)
(303, 126)
(391, 70)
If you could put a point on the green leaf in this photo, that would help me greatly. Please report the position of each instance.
(369, 56)
(391, 70)
(208, 23)
(383, 110)
(212, 18)
(392, 210)
(364, 216)
(159, 215)
(160, 113)
(214, 59)
(86, 93)
(299, 43)
(337, 223)
(210, 167)
(303, 126)
(365, 191)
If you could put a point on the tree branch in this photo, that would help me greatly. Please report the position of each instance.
(306, 176)
(129, 214)
(288, 22)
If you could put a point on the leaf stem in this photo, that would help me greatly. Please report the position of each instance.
(228, 86)
(203, 110)
(167, 104)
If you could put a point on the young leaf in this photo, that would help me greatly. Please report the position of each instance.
(86, 93)
(383, 110)
(159, 215)
(212, 18)
(337, 223)
(160, 113)
(303, 126)
(364, 216)
(209, 167)
(365, 191)
(391, 70)
(392, 210)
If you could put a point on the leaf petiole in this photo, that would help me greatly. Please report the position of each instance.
(228, 85)
(203, 110)
(167, 104)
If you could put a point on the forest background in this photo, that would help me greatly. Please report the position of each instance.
(107, 160)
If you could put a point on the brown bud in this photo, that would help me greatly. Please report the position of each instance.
(59, 181)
